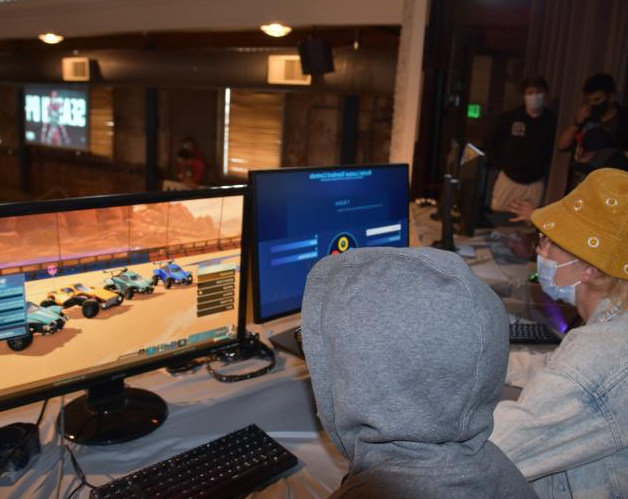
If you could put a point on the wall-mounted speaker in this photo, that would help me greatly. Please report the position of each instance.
(316, 56)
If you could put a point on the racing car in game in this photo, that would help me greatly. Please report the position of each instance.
(66, 298)
(44, 320)
(105, 297)
(128, 283)
(90, 299)
(170, 273)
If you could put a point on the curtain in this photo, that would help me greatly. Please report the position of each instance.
(568, 41)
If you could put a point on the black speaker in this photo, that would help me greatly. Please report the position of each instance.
(316, 56)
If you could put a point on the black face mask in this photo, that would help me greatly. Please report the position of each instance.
(597, 110)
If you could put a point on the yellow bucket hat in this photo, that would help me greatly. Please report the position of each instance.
(591, 222)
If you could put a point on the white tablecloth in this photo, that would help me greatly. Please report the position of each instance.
(200, 409)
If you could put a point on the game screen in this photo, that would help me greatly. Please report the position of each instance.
(102, 289)
(303, 215)
(56, 116)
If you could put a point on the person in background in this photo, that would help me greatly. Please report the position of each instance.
(598, 149)
(406, 375)
(198, 163)
(568, 431)
(190, 144)
(599, 110)
(189, 169)
(521, 146)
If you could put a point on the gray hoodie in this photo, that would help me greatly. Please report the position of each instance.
(407, 351)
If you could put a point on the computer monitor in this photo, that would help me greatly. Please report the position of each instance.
(303, 214)
(57, 115)
(95, 290)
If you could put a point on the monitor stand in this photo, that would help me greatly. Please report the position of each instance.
(112, 413)
(446, 241)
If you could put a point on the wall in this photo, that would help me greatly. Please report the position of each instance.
(189, 113)
(9, 164)
(130, 126)
(312, 136)
(60, 175)
(313, 129)
(367, 70)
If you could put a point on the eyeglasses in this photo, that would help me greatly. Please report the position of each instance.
(542, 240)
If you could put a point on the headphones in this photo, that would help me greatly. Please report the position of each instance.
(19, 443)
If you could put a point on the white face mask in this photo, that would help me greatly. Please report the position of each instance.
(546, 269)
(534, 102)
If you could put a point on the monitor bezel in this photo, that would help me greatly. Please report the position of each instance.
(83, 382)
(258, 318)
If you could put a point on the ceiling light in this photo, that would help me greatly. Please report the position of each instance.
(50, 38)
(276, 29)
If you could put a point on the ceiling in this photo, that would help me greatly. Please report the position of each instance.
(25, 19)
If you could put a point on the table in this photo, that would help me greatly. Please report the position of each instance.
(200, 409)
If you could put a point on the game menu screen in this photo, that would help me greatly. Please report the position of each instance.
(96, 290)
(302, 215)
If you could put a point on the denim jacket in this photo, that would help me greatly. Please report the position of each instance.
(568, 432)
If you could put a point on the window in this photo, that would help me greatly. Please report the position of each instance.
(252, 131)
(101, 122)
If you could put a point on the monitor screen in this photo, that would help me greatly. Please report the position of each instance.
(304, 214)
(101, 288)
(56, 116)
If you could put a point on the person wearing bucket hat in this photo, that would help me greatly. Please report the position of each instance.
(568, 432)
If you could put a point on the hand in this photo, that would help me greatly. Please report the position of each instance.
(522, 208)
(583, 114)
(522, 245)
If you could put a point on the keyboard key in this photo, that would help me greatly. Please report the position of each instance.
(533, 333)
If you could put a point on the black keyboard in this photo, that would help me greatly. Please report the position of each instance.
(223, 468)
(533, 333)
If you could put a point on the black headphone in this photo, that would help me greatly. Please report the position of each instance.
(19, 443)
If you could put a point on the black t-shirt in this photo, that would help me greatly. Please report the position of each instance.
(521, 145)
(617, 127)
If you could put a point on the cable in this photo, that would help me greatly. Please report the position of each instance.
(61, 432)
(75, 490)
(79, 473)
(251, 348)
(41, 413)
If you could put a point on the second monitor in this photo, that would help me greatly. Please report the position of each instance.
(304, 214)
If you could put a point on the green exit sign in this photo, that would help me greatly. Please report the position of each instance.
(474, 111)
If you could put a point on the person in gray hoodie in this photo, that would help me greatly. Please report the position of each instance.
(407, 351)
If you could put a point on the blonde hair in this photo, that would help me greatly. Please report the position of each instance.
(612, 287)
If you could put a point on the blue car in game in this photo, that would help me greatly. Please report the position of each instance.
(170, 273)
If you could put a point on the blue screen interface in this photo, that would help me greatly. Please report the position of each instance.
(302, 215)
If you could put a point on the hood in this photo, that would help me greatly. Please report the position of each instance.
(407, 351)
(44, 315)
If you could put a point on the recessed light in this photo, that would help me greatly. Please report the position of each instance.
(50, 38)
(275, 29)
